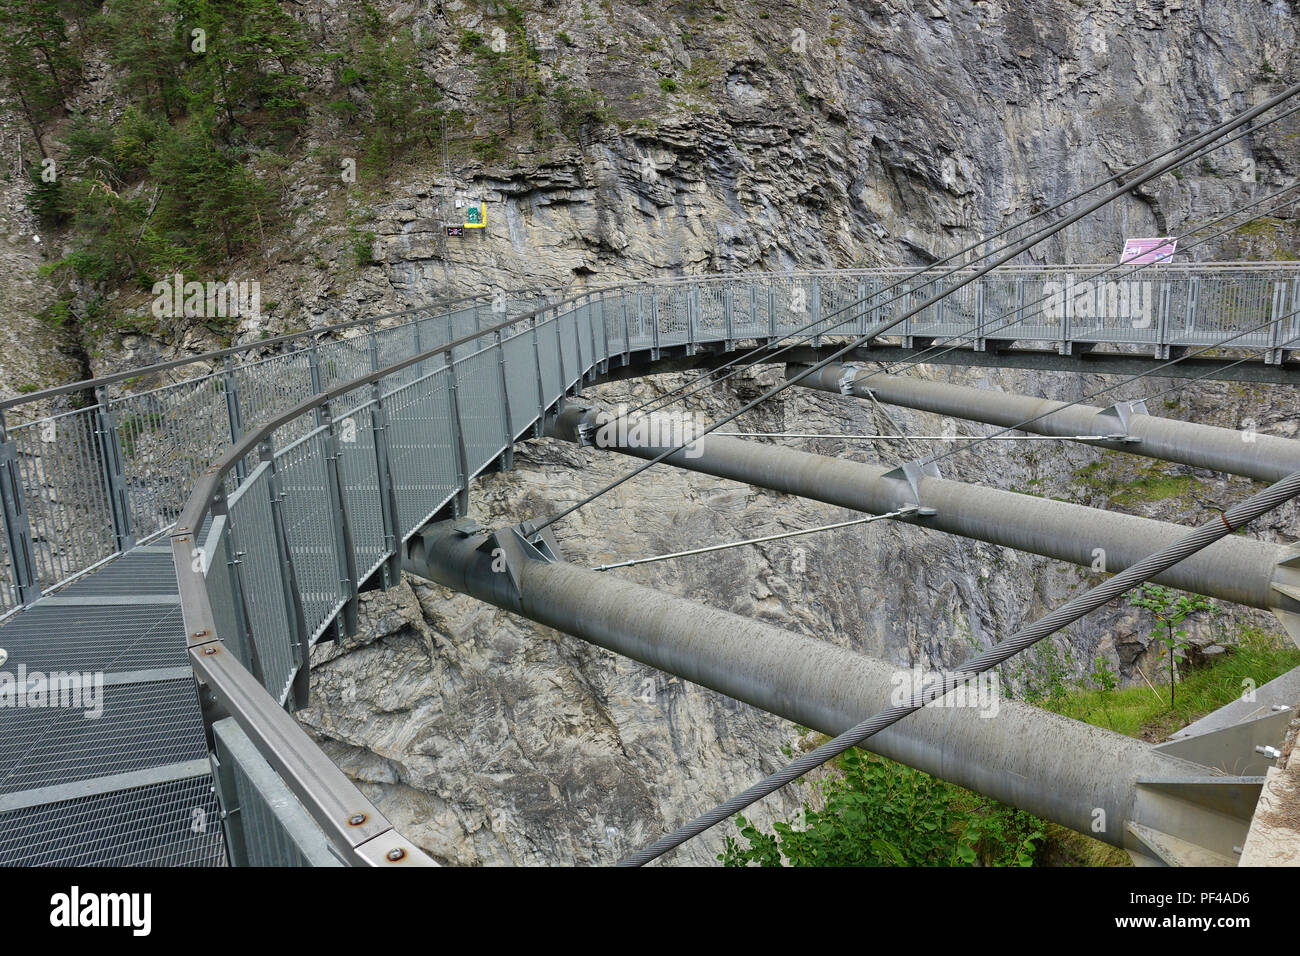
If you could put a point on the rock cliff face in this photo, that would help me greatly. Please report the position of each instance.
(493, 740)
(757, 137)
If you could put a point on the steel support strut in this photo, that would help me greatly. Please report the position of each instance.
(1247, 452)
(1237, 569)
(1091, 780)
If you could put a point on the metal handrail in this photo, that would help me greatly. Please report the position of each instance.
(352, 824)
(115, 377)
(331, 799)
(194, 512)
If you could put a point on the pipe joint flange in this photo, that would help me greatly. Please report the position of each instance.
(909, 475)
(850, 374)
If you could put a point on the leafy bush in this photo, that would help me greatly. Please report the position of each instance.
(881, 813)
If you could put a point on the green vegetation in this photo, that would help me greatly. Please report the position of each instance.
(1152, 483)
(212, 101)
(386, 98)
(881, 813)
(1170, 608)
(1142, 711)
(875, 812)
(362, 244)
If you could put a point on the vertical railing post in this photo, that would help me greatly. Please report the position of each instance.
(559, 354)
(815, 311)
(539, 425)
(110, 456)
(18, 530)
(313, 369)
(374, 347)
(729, 314)
(1067, 316)
(577, 340)
(692, 316)
(627, 329)
(458, 443)
(1293, 325)
(234, 413)
(508, 456)
(979, 314)
(313, 372)
(1019, 313)
(908, 294)
(245, 641)
(1274, 354)
(863, 309)
(1193, 303)
(343, 542)
(391, 569)
(771, 315)
(654, 324)
(1161, 351)
(292, 597)
(604, 329)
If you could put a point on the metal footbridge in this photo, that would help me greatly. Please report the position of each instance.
(178, 538)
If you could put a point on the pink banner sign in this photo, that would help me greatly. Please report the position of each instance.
(1159, 249)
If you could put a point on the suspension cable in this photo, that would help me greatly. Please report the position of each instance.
(798, 335)
(1024, 245)
(1196, 540)
(935, 350)
(1007, 320)
(900, 513)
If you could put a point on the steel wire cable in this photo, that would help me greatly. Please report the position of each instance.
(1125, 381)
(1024, 245)
(804, 332)
(1196, 540)
(930, 350)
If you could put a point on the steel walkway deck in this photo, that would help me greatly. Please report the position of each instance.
(289, 479)
(131, 784)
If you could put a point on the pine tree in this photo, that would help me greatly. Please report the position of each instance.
(37, 64)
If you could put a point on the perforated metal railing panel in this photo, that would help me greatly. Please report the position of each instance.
(298, 532)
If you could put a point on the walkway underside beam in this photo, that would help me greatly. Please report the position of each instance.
(1237, 569)
(1247, 453)
(1159, 806)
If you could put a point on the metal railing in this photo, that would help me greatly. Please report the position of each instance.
(81, 485)
(290, 483)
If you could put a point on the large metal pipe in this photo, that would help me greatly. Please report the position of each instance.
(1247, 452)
(1237, 569)
(1077, 775)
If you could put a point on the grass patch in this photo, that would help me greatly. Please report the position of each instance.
(1156, 487)
(1142, 712)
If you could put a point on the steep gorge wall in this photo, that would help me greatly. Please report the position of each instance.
(895, 133)
(494, 740)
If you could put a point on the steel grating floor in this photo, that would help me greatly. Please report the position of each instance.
(129, 785)
(109, 638)
(169, 824)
